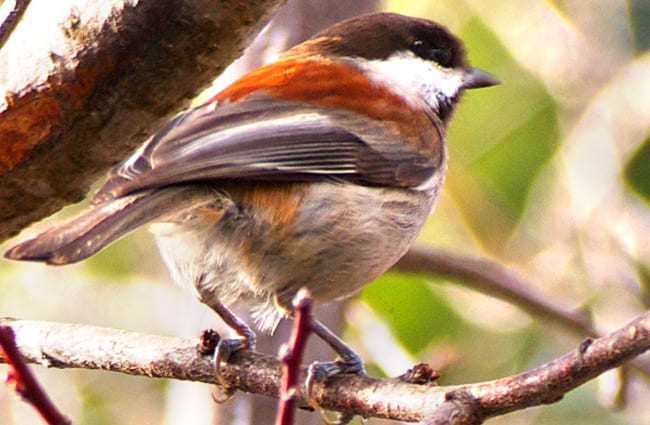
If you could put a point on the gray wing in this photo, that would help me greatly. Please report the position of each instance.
(266, 138)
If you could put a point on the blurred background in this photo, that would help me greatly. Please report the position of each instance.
(549, 175)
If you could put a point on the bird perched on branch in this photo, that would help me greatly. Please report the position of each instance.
(316, 171)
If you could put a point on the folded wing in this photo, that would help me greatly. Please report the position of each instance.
(262, 137)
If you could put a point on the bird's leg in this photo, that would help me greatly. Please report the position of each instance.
(226, 347)
(319, 372)
(349, 361)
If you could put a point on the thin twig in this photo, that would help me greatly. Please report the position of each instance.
(21, 380)
(493, 279)
(12, 19)
(67, 345)
(291, 355)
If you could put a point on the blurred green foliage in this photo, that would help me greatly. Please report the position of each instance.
(500, 140)
(117, 261)
(640, 24)
(637, 171)
(416, 314)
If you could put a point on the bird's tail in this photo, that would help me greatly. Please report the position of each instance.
(101, 224)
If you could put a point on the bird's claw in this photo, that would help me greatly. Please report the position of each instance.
(223, 351)
(320, 372)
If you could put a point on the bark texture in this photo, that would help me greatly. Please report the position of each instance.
(84, 87)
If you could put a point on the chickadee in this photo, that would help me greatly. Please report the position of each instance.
(316, 171)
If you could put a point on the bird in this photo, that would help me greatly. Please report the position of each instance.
(315, 171)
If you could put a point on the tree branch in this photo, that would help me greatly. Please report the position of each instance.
(84, 88)
(12, 19)
(76, 346)
(491, 278)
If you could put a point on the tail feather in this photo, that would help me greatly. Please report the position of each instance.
(101, 224)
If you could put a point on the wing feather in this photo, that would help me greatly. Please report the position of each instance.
(262, 137)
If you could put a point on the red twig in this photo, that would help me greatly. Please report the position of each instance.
(291, 357)
(23, 382)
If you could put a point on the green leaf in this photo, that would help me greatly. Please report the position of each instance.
(637, 171)
(414, 312)
(639, 13)
(643, 273)
(509, 168)
(500, 140)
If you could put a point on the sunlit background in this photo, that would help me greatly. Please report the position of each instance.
(549, 174)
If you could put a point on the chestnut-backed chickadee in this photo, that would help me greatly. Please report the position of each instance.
(315, 171)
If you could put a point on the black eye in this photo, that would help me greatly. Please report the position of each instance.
(439, 55)
(442, 56)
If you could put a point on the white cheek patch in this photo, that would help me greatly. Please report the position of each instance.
(405, 72)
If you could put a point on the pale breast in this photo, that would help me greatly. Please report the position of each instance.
(334, 238)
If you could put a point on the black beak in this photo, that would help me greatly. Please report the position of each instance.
(476, 78)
